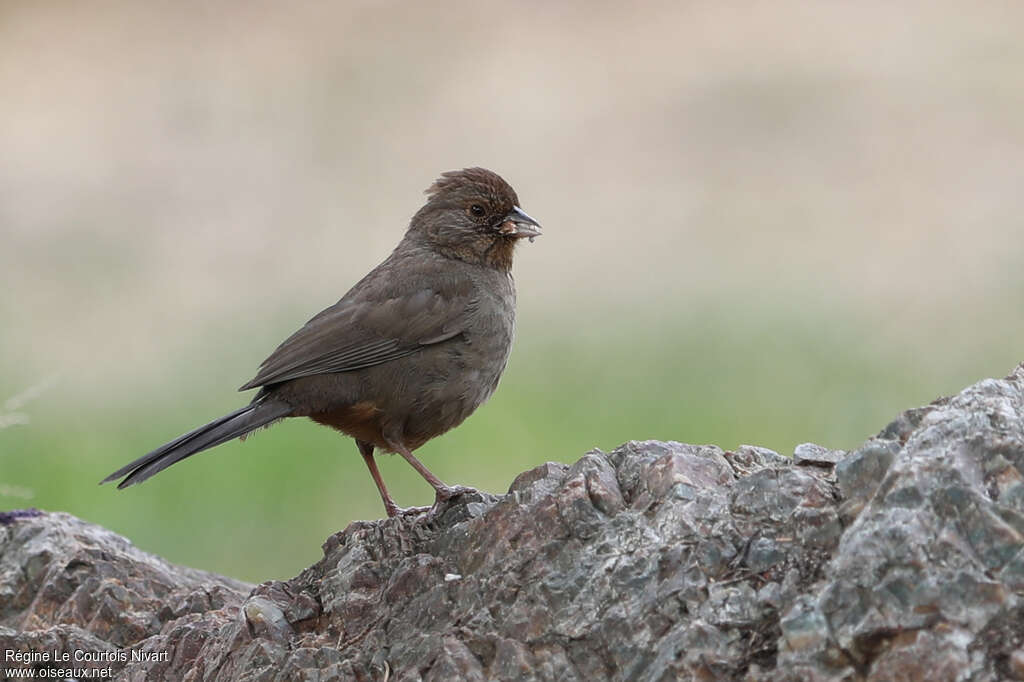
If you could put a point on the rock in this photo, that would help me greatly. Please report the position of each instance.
(903, 559)
(810, 454)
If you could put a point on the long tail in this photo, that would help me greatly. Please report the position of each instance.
(238, 423)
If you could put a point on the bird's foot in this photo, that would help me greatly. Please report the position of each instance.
(447, 492)
(442, 495)
(394, 510)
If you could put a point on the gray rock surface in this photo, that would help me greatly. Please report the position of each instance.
(902, 560)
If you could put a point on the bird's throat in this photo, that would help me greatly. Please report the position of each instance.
(493, 253)
(499, 254)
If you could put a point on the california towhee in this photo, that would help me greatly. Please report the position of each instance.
(409, 352)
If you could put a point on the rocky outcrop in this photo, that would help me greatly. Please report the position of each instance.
(657, 561)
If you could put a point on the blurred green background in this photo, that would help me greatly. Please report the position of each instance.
(765, 223)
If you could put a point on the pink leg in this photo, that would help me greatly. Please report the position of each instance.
(442, 492)
(366, 450)
(392, 509)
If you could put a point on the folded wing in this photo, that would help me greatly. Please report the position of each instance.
(366, 330)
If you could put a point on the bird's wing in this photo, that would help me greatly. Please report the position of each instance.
(369, 327)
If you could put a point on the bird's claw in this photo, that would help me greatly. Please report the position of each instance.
(406, 511)
(442, 495)
(450, 491)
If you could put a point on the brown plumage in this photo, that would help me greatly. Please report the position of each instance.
(409, 352)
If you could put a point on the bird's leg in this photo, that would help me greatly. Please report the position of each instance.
(392, 509)
(366, 450)
(442, 492)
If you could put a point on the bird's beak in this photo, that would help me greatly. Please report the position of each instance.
(518, 225)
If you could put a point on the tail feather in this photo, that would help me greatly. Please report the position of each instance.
(228, 427)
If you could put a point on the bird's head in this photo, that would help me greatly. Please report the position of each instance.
(473, 215)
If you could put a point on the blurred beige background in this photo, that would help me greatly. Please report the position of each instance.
(765, 222)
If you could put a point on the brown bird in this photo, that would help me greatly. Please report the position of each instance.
(408, 353)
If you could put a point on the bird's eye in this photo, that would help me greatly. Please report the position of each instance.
(477, 210)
